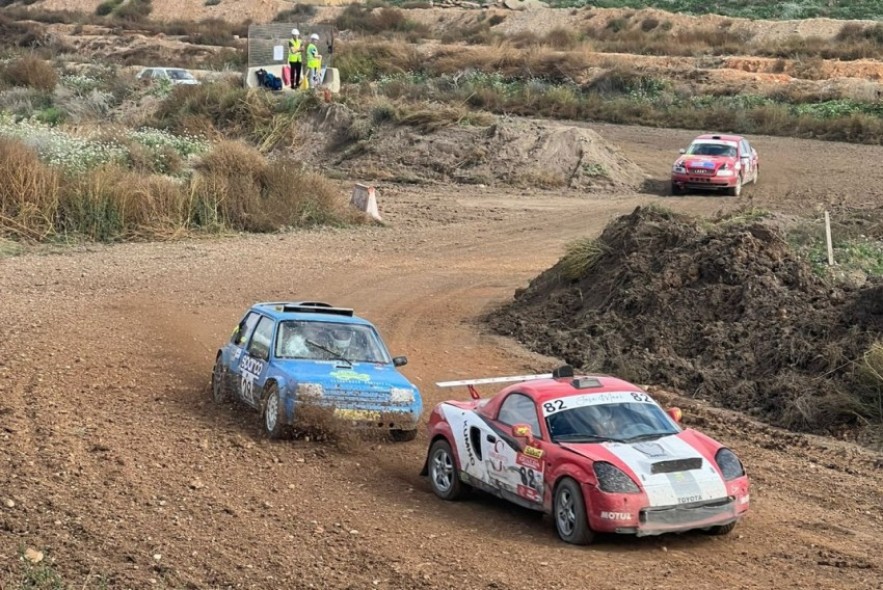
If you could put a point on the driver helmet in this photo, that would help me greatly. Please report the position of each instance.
(341, 337)
(606, 419)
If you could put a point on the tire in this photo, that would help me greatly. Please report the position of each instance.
(735, 191)
(220, 391)
(403, 435)
(273, 414)
(724, 529)
(569, 512)
(444, 477)
(675, 190)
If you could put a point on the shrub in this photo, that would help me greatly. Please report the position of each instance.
(580, 256)
(299, 12)
(29, 193)
(364, 19)
(133, 10)
(31, 72)
(107, 7)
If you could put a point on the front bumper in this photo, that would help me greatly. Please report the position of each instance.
(378, 419)
(631, 514)
(703, 181)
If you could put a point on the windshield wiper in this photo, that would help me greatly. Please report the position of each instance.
(649, 436)
(336, 355)
(579, 438)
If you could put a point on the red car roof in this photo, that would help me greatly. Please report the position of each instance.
(736, 138)
(543, 390)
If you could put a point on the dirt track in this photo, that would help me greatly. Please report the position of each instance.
(113, 454)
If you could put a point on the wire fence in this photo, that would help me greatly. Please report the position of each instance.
(268, 43)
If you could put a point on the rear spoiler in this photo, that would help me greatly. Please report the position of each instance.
(563, 371)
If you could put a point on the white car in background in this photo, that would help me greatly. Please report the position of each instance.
(174, 75)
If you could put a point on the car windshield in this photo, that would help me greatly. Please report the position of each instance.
(318, 340)
(620, 422)
(180, 75)
(711, 149)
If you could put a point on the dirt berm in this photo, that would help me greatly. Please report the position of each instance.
(723, 311)
(433, 145)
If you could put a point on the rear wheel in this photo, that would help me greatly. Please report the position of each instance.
(274, 421)
(570, 514)
(444, 477)
(220, 392)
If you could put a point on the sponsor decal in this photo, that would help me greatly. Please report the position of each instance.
(651, 449)
(521, 430)
(529, 462)
(689, 499)
(496, 457)
(350, 375)
(348, 414)
(615, 515)
(250, 369)
(533, 452)
(529, 493)
(594, 399)
(467, 443)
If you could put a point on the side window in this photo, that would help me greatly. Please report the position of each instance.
(746, 149)
(520, 409)
(243, 331)
(259, 347)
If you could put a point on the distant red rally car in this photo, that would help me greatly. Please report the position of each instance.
(596, 452)
(720, 162)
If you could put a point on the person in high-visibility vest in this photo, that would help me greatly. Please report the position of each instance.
(314, 61)
(295, 58)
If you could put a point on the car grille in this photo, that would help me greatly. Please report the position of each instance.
(688, 513)
(704, 171)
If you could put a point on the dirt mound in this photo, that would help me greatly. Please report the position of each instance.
(435, 145)
(723, 311)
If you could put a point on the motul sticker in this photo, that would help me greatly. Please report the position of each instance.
(533, 452)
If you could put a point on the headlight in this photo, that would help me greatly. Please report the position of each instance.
(679, 169)
(401, 396)
(614, 480)
(309, 390)
(725, 172)
(731, 467)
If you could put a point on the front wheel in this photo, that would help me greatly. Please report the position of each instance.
(676, 190)
(403, 435)
(274, 420)
(724, 529)
(736, 190)
(569, 510)
(443, 474)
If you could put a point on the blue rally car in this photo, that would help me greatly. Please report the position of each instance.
(285, 353)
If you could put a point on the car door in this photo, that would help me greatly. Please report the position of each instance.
(254, 362)
(747, 160)
(516, 467)
(236, 348)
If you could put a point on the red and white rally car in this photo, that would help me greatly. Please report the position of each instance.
(596, 452)
(720, 162)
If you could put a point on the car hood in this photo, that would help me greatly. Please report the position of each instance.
(671, 470)
(362, 377)
(705, 162)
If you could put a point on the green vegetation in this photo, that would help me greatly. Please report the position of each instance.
(580, 257)
(759, 9)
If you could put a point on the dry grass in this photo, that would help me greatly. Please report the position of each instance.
(31, 72)
(580, 257)
(371, 21)
(29, 193)
(234, 187)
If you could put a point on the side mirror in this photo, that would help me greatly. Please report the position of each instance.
(400, 361)
(682, 151)
(676, 414)
(522, 431)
